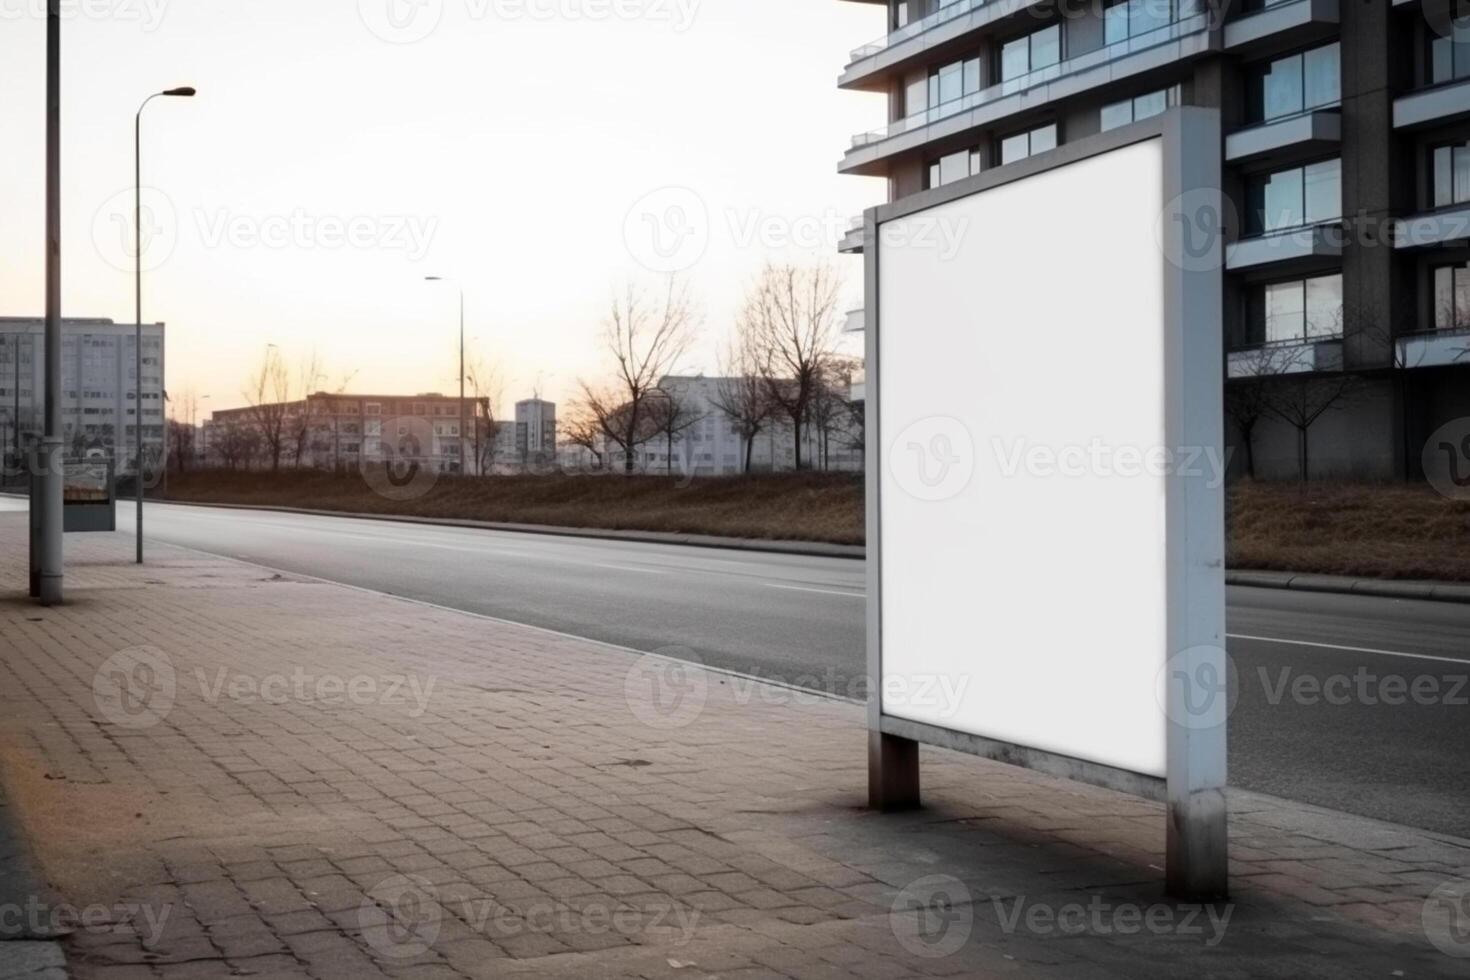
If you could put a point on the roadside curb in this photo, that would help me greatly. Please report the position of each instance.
(1292, 581)
(812, 548)
(1347, 585)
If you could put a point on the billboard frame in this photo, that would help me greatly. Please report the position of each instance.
(1193, 787)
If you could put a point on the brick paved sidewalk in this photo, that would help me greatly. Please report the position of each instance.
(225, 771)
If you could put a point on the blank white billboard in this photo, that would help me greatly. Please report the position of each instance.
(1021, 422)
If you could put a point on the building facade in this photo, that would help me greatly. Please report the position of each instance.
(98, 381)
(1347, 181)
(343, 431)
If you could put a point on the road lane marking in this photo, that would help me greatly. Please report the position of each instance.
(1335, 646)
(803, 588)
(619, 568)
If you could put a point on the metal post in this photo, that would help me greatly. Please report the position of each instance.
(138, 321)
(462, 435)
(50, 497)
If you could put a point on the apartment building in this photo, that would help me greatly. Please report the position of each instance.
(336, 431)
(1347, 177)
(98, 381)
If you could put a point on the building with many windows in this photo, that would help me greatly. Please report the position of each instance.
(346, 431)
(98, 381)
(1347, 176)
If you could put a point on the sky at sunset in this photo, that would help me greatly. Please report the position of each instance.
(541, 152)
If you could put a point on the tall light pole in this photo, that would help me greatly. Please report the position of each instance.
(46, 554)
(177, 93)
(462, 435)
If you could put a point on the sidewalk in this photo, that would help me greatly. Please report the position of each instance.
(226, 771)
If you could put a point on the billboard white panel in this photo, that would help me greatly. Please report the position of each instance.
(1022, 422)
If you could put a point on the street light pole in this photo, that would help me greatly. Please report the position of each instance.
(46, 559)
(181, 93)
(462, 435)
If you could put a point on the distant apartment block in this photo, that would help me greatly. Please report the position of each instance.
(1347, 166)
(334, 431)
(98, 381)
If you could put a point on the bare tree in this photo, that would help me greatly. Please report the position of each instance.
(829, 406)
(671, 415)
(644, 338)
(181, 444)
(268, 393)
(792, 315)
(581, 427)
(1300, 400)
(741, 393)
(302, 420)
(235, 443)
(485, 389)
(1246, 406)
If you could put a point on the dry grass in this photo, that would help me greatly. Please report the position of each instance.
(1367, 530)
(795, 507)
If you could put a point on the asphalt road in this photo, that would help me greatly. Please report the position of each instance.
(1354, 703)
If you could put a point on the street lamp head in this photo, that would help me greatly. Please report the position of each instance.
(183, 92)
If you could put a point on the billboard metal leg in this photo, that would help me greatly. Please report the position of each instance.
(1197, 864)
(893, 772)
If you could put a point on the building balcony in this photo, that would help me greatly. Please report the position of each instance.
(1281, 26)
(1307, 133)
(1281, 359)
(852, 239)
(1181, 41)
(1296, 245)
(856, 322)
(1435, 348)
(1442, 227)
(870, 66)
(1433, 105)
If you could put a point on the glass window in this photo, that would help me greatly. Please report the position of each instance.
(1451, 176)
(1322, 76)
(1298, 310)
(1148, 15)
(1324, 306)
(1323, 190)
(1296, 83)
(916, 97)
(1026, 54)
(1449, 57)
(1291, 198)
(1023, 145)
(1014, 148)
(1115, 22)
(1285, 312)
(1117, 114)
(1046, 47)
(901, 14)
(954, 166)
(1015, 59)
(1452, 297)
(1152, 104)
